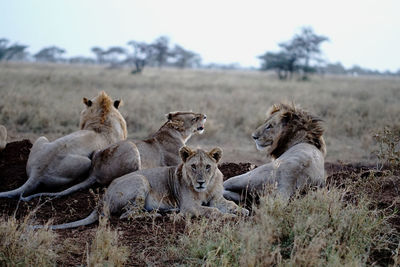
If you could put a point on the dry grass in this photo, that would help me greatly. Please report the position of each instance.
(105, 249)
(318, 229)
(47, 99)
(20, 245)
(388, 151)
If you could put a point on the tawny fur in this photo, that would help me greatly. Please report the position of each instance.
(293, 138)
(107, 164)
(68, 158)
(3, 137)
(194, 187)
(162, 149)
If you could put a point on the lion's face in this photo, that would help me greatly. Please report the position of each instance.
(266, 134)
(188, 122)
(200, 167)
(286, 126)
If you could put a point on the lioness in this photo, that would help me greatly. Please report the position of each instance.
(293, 138)
(67, 158)
(3, 137)
(194, 187)
(162, 149)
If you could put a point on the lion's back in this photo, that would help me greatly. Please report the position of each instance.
(304, 163)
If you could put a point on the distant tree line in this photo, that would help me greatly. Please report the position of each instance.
(158, 53)
(338, 68)
(301, 55)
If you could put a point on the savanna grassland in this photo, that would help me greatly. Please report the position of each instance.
(47, 100)
(354, 221)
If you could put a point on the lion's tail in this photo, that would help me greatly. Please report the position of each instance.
(29, 186)
(93, 217)
(83, 185)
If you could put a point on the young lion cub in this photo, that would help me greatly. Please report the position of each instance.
(194, 187)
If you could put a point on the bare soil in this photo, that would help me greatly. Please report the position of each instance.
(145, 236)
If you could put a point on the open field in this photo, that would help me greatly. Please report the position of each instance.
(352, 222)
(47, 99)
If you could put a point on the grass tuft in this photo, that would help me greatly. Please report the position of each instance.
(317, 229)
(20, 245)
(105, 249)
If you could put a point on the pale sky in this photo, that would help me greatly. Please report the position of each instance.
(362, 32)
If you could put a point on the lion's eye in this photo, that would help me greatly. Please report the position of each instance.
(269, 126)
(193, 166)
(194, 119)
(208, 167)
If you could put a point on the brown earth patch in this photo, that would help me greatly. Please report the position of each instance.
(233, 169)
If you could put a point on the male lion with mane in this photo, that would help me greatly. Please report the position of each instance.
(194, 187)
(293, 138)
(161, 149)
(68, 158)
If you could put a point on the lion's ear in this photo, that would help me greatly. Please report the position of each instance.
(169, 116)
(216, 153)
(87, 102)
(118, 103)
(185, 152)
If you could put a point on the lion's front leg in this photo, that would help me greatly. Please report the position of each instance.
(196, 211)
(227, 206)
(253, 181)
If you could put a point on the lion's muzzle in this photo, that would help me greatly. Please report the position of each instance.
(200, 128)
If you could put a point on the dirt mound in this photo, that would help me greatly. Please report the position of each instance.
(381, 186)
(233, 169)
(12, 164)
(146, 236)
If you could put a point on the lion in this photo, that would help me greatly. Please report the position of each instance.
(107, 164)
(293, 138)
(161, 149)
(194, 187)
(64, 160)
(3, 137)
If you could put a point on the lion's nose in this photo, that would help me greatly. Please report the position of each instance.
(255, 137)
(200, 183)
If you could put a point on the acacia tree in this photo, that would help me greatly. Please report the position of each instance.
(113, 55)
(99, 52)
(282, 62)
(50, 54)
(184, 58)
(160, 51)
(306, 48)
(296, 55)
(12, 52)
(140, 56)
